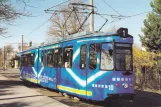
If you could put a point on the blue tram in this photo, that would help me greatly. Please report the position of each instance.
(92, 66)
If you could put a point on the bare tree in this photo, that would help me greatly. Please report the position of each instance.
(9, 49)
(9, 52)
(66, 22)
(8, 13)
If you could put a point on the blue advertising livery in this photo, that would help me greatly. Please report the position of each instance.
(92, 66)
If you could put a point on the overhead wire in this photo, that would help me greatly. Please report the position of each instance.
(111, 7)
(137, 14)
(4, 36)
(105, 14)
(41, 25)
(102, 15)
(119, 19)
(50, 9)
(58, 4)
(129, 17)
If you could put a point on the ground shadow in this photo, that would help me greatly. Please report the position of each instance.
(9, 83)
(147, 99)
(20, 97)
(142, 99)
(5, 92)
(14, 104)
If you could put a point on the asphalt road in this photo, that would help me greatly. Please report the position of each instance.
(142, 99)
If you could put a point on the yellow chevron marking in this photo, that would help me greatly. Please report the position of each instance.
(33, 80)
(73, 90)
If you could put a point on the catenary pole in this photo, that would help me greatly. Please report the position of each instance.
(4, 63)
(22, 44)
(92, 16)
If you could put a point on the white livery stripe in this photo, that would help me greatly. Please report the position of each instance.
(78, 80)
(87, 40)
(76, 54)
(34, 71)
(93, 77)
(40, 72)
(40, 60)
(108, 39)
(36, 58)
(83, 82)
(21, 70)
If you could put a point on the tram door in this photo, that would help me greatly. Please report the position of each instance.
(93, 68)
(83, 66)
(58, 60)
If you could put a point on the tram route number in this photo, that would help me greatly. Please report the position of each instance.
(110, 87)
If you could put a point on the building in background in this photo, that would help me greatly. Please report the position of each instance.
(25, 47)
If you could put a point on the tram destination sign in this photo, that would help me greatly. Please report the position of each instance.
(123, 45)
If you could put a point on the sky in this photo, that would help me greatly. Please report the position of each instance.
(25, 25)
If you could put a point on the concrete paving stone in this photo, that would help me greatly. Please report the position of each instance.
(21, 96)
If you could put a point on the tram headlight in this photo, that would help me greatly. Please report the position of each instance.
(125, 85)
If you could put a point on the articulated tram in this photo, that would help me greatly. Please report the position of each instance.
(92, 66)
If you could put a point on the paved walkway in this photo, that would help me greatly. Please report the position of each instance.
(12, 95)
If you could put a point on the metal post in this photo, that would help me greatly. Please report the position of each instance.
(22, 44)
(92, 17)
(4, 63)
(1, 59)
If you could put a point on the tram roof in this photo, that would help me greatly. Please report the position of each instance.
(78, 35)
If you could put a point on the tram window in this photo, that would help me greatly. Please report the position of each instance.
(43, 58)
(94, 48)
(30, 58)
(83, 53)
(25, 60)
(123, 59)
(22, 60)
(50, 57)
(53, 58)
(67, 56)
(106, 56)
(58, 58)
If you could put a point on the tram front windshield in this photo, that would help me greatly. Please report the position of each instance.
(123, 57)
(107, 56)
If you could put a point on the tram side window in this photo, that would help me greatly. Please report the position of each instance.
(58, 57)
(30, 58)
(22, 60)
(106, 56)
(43, 58)
(25, 60)
(83, 53)
(67, 56)
(50, 57)
(93, 49)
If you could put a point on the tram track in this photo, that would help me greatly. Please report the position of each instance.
(143, 99)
